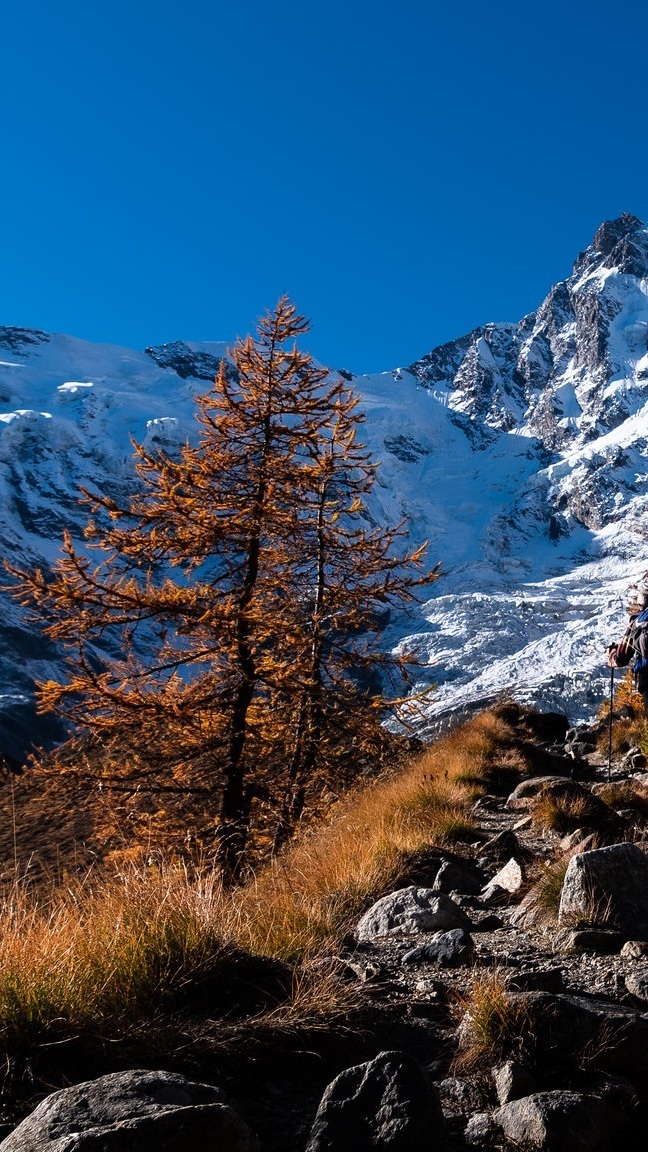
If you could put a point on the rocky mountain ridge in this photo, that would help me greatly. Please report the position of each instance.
(518, 450)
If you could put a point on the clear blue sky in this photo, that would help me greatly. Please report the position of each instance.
(405, 171)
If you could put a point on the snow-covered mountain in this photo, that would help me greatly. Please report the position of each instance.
(520, 451)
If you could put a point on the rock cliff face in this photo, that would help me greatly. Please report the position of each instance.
(519, 450)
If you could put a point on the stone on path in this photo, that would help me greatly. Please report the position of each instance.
(455, 877)
(525, 794)
(411, 910)
(637, 983)
(452, 949)
(510, 878)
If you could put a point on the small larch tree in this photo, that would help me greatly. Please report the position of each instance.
(237, 586)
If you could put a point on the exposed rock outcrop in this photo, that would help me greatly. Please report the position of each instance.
(133, 1112)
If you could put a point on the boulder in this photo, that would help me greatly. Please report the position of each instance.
(448, 949)
(513, 1080)
(579, 840)
(637, 983)
(525, 794)
(510, 878)
(488, 922)
(614, 1036)
(455, 877)
(480, 1131)
(132, 1112)
(608, 887)
(387, 1104)
(536, 980)
(557, 1122)
(411, 910)
(459, 1097)
(558, 1031)
(635, 949)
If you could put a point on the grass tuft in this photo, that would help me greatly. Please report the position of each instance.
(561, 814)
(548, 888)
(495, 1025)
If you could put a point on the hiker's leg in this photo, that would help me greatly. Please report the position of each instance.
(644, 697)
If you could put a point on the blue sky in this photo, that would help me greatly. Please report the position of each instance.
(405, 171)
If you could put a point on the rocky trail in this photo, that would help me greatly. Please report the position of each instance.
(499, 999)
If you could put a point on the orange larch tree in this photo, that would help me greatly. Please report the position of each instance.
(234, 587)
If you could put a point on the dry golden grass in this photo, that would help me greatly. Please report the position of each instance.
(561, 814)
(109, 949)
(495, 1025)
(625, 735)
(548, 888)
(121, 947)
(474, 751)
(307, 899)
(625, 794)
(310, 896)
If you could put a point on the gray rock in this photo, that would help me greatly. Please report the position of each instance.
(132, 1112)
(452, 949)
(387, 1104)
(459, 1097)
(523, 822)
(602, 941)
(563, 1025)
(411, 910)
(510, 878)
(488, 922)
(455, 877)
(479, 1131)
(528, 912)
(512, 1081)
(503, 846)
(635, 949)
(637, 983)
(608, 887)
(542, 980)
(580, 839)
(557, 1122)
(617, 1091)
(495, 897)
(524, 795)
(578, 749)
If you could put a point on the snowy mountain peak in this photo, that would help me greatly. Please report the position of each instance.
(620, 244)
(519, 450)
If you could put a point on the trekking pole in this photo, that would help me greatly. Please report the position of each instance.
(609, 764)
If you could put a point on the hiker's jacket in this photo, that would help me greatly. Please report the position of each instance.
(635, 645)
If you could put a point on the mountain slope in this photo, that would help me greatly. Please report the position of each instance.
(518, 450)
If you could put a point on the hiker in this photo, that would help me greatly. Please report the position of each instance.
(635, 640)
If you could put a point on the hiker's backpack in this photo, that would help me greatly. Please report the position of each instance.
(635, 645)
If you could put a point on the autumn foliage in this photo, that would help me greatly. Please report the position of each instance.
(239, 590)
